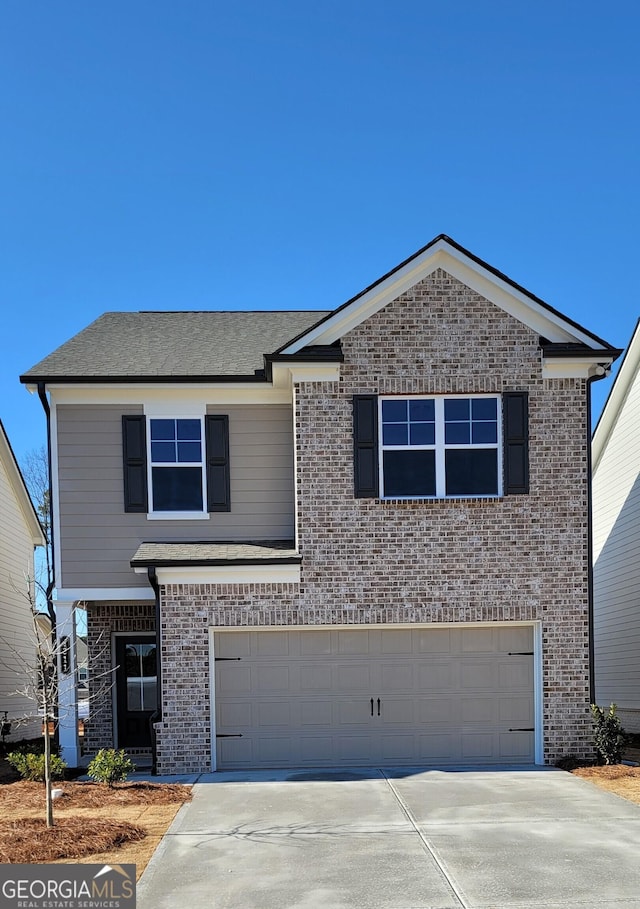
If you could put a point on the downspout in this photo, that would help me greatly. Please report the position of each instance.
(156, 716)
(601, 374)
(52, 583)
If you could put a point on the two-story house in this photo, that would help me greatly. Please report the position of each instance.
(20, 533)
(354, 537)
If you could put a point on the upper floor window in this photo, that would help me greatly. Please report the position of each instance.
(440, 447)
(177, 465)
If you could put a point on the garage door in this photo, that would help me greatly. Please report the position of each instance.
(376, 696)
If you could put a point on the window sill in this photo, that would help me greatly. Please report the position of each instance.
(177, 516)
(494, 497)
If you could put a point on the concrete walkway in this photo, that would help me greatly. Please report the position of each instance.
(397, 839)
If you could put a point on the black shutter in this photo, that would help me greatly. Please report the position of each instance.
(516, 442)
(365, 446)
(134, 457)
(218, 485)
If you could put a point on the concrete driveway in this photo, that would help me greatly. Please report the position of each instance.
(397, 839)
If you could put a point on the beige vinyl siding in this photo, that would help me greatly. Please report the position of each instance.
(616, 524)
(17, 644)
(97, 538)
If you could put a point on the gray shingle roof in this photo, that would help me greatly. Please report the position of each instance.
(165, 554)
(174, 344)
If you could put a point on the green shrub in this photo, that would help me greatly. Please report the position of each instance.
(609, 737)
(110, 766)
(30, 765)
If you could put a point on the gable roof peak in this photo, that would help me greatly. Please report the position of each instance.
(445, 253)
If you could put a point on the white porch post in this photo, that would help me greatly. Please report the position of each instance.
(67, 683)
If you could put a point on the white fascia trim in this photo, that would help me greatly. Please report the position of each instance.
(104, 593)
(170, 396)
(627, 375)
(229, 574)
(575, 367)
(285, 374)
(442, 255)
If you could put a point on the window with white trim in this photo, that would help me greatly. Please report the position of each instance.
(176, 465)
(440, 447)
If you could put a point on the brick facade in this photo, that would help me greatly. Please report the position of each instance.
(516, 558)
(103, 621)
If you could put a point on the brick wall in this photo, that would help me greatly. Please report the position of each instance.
(370, 561)
(103, 620)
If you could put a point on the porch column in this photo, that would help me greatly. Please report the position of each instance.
(67, 683)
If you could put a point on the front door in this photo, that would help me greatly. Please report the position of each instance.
(136, 682)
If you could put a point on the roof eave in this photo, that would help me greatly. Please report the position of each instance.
(33, 380)
(440, 251)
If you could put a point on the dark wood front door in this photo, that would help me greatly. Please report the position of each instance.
(136, 682)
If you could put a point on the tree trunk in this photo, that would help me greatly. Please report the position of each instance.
(47, 769)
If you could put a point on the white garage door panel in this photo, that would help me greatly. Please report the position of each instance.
(313, 698)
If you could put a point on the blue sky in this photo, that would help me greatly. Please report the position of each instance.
(285, 154)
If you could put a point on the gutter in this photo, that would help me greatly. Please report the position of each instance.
(156, 716)
(592, 675)
(42, 394)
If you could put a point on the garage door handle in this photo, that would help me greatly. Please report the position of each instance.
(228, 735)
(523, 730)
(371, 706)
(378, 706)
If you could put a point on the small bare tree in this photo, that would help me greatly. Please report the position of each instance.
(38, 682)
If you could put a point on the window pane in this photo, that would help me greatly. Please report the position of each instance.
(394, 411)
(423, 434)
(457, 409)
(471, 472)
(484, 432)
(132, 661)
(189, 430)
(409, 473)
(457, 433)
(148, 659)
(149, 701)
(163, 429)
(394, 434)
(177, 488)
(484, 409)
(189, 451)
(422, 411)
(163, 452)
(134, 694)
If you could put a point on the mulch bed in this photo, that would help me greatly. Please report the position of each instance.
(29, 840)
(27, 796)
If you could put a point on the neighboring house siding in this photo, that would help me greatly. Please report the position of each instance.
(17, 645)
(616, 520)
(97, 538)
(519, 558)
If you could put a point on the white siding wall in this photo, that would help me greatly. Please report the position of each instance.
(616, 521)
(16, 634)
